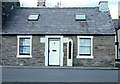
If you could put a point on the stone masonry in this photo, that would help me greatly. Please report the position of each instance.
(104, 52)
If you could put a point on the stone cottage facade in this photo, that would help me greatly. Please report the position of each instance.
(83, 37)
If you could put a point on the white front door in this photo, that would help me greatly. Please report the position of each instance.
(54, 51)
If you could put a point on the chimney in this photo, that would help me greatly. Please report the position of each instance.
(103, 6)
(41, 3)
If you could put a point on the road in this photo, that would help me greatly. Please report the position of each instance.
(58, 75)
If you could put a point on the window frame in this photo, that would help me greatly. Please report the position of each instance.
(18, 47)
(85, 37)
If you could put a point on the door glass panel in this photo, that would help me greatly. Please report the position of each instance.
(69, 50)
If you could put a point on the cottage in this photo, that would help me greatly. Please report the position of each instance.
(78, 36)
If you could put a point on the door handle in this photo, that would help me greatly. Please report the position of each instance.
(54, 50)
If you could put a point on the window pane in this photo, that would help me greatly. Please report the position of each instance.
(25, 42)
(84, 50)
(25, 50)
(33, 17)
(85, 42)
(80, 17)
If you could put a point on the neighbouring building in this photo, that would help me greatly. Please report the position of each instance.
(118, 39)
(117, 42)
(77, 36)
(7, 7)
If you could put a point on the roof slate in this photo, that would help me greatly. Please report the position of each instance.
(115, 23)
(59, 21)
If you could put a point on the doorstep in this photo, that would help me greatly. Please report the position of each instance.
(58, 67)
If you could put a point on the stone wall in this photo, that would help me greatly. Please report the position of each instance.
(9, 52)
(65, 54)
(104, 52)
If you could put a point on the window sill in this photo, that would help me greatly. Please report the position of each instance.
(24, 56)
(85, 57)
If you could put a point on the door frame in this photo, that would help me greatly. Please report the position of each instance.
(47, 48)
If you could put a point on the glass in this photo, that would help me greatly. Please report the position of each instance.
(24, 45)
(25, 50)
(24, 42)
(84, 50)
(85, 46)
(85, 42)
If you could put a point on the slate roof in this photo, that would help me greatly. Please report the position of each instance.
(59, 21)
(115, 23)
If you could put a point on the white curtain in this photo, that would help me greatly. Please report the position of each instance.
(85, 46)
(24, 42)
(24, 49)
(24, 45)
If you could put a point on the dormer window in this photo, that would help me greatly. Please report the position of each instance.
(80, 17)
(33, 17)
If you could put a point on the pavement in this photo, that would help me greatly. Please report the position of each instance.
(58, 67)
(60, 74)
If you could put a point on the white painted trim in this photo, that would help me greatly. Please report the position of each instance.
(46, 51)
(118, 37)
(85, 57)
(24, 56)
(116, 48)
(65, 40)
(46, 48)
(18, 40)
(119, 43)
(70, 61)
(42, 40)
